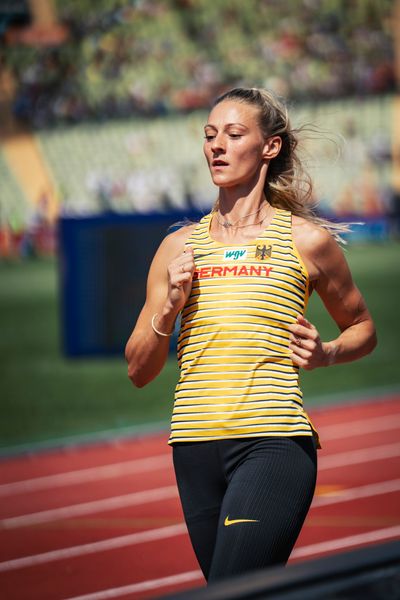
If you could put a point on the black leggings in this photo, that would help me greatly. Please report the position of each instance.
(245, 501)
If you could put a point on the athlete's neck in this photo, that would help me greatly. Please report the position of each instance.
(242, 231)
(241, 211)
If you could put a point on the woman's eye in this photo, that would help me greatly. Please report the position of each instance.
(210, 137)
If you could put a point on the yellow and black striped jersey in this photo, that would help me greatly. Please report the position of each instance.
(237, 378)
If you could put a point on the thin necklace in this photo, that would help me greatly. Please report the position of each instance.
(227, 224)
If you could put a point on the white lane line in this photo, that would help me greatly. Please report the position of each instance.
(361, 427)
(363, 491)
(356, 457)
(313, 549)
(85, 508)
(110, 544)
(135, 498)
(179, 529)
(347, 542)
(328, 432)
(142, 586)
(152, 463)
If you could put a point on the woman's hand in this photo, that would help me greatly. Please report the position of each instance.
(331, 279)
(180, 276)
(306, 347)
(168, 286)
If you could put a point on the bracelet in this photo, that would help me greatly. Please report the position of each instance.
(156, 330)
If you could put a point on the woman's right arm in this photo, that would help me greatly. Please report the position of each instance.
(168, 287)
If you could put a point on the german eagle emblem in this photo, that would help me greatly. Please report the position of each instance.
(263, 252)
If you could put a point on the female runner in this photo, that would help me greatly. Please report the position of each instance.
(244, 448)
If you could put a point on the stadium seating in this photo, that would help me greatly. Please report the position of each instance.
(147, 165)
(154, 57)
(13, 205)
(118, 109)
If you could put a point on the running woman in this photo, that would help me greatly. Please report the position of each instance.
(244, 448)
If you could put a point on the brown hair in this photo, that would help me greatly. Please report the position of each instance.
(287, 184)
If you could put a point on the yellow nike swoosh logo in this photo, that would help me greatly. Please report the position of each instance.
(228, 521)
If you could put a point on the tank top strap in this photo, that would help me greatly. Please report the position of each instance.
(200, 233)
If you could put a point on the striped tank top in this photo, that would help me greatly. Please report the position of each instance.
(237, 378)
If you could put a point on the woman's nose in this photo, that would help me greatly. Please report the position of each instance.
(218, 144)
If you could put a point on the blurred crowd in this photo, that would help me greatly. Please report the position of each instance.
(38, 238)
(151, 57)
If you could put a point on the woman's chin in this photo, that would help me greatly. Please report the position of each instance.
(222, 181)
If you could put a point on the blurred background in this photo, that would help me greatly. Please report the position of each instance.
(102, 106)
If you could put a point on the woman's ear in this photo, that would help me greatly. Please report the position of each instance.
(272, 147)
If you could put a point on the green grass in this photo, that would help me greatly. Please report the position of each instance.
(45, 395)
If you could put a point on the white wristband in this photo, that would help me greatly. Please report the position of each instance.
(156, 330)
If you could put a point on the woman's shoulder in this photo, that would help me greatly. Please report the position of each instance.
(317, 246)
(184, 232)
(310, 235)
(175, 241)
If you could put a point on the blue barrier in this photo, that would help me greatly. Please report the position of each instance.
(103, 266)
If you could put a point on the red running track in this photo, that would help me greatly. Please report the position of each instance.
(104, 521)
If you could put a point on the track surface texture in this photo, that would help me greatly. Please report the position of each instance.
(104, 521)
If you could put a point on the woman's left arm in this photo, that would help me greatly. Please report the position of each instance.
(334, 284)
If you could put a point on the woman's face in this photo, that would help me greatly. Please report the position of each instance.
(234, 145)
